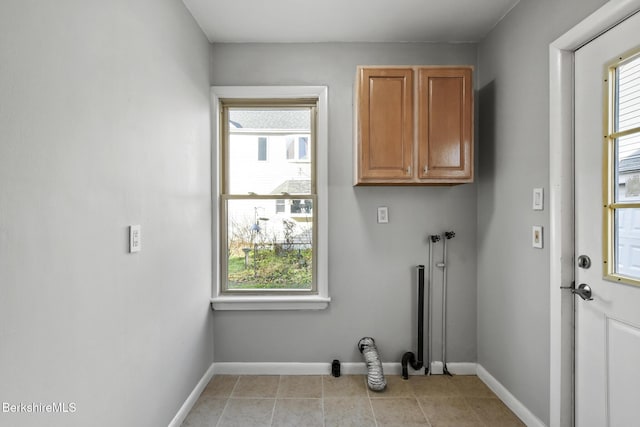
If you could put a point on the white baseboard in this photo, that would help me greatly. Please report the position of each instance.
(271, 368)
(346, 368)
(454, 368)
(193, 398)
(509, 399)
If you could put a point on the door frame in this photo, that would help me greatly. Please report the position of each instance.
(561, 200)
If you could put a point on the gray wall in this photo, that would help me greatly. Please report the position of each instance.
(104, 122)
(513, 278)
(371, 266)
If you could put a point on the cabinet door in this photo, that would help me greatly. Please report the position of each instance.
(385, 125)
(445, 136)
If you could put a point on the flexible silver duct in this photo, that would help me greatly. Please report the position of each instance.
(375, 376)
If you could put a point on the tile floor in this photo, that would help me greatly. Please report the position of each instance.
(325, 401)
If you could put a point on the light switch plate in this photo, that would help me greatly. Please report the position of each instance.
(135, 238)
(536, 236)
(383, 215)
(538, 199)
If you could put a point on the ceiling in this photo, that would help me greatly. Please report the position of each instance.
(348, 20)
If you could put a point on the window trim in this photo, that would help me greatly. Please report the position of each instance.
(319, 300)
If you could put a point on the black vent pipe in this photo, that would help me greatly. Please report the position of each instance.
(409, 357)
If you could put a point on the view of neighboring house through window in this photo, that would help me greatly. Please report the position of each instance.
(267, 202)
(297, 148)
(622, 207)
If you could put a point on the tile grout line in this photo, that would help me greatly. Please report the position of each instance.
(324, 415)
(375, 419)
(275, 400)
(424, 414)
(227, 402)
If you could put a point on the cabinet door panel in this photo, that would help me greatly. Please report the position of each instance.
(445, 123)
(385, 124)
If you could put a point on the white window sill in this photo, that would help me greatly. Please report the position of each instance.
(262, 302)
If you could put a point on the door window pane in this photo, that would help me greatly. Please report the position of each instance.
(627, 242)
(627, 168)
(628, 88)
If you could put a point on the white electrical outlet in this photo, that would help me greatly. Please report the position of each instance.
(135, 238)
(536, 236)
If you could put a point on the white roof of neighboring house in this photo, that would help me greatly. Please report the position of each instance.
(276, 119)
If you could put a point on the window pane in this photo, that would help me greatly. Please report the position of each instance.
(303, 148)
(268, 250)
(284, 119)
(628, 96)
(248, 174)
(291, 148)
(262, 149)
(627, 169)
(627, 242)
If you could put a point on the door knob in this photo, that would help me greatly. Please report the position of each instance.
(584, 292)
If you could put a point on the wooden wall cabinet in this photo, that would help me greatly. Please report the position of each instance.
(414, 126)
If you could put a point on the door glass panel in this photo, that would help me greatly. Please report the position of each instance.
(627, 242)
(622, 172)
(628, 88)
(627, 168)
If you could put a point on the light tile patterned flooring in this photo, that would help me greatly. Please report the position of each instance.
(325, 401)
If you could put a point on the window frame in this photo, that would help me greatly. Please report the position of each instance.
(257, 300)
(609, 176)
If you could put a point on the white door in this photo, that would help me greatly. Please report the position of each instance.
(608, 327)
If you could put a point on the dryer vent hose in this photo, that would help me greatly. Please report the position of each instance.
(375, 376)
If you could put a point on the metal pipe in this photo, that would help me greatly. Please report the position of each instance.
(432, 239)
(448, 235)
(420, 360)
(409, 357)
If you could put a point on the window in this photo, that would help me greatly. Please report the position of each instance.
(262, 148)
(298, 148)
(622, 172)
(272, 228)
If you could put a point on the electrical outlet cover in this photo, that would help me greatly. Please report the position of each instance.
(536, 236)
